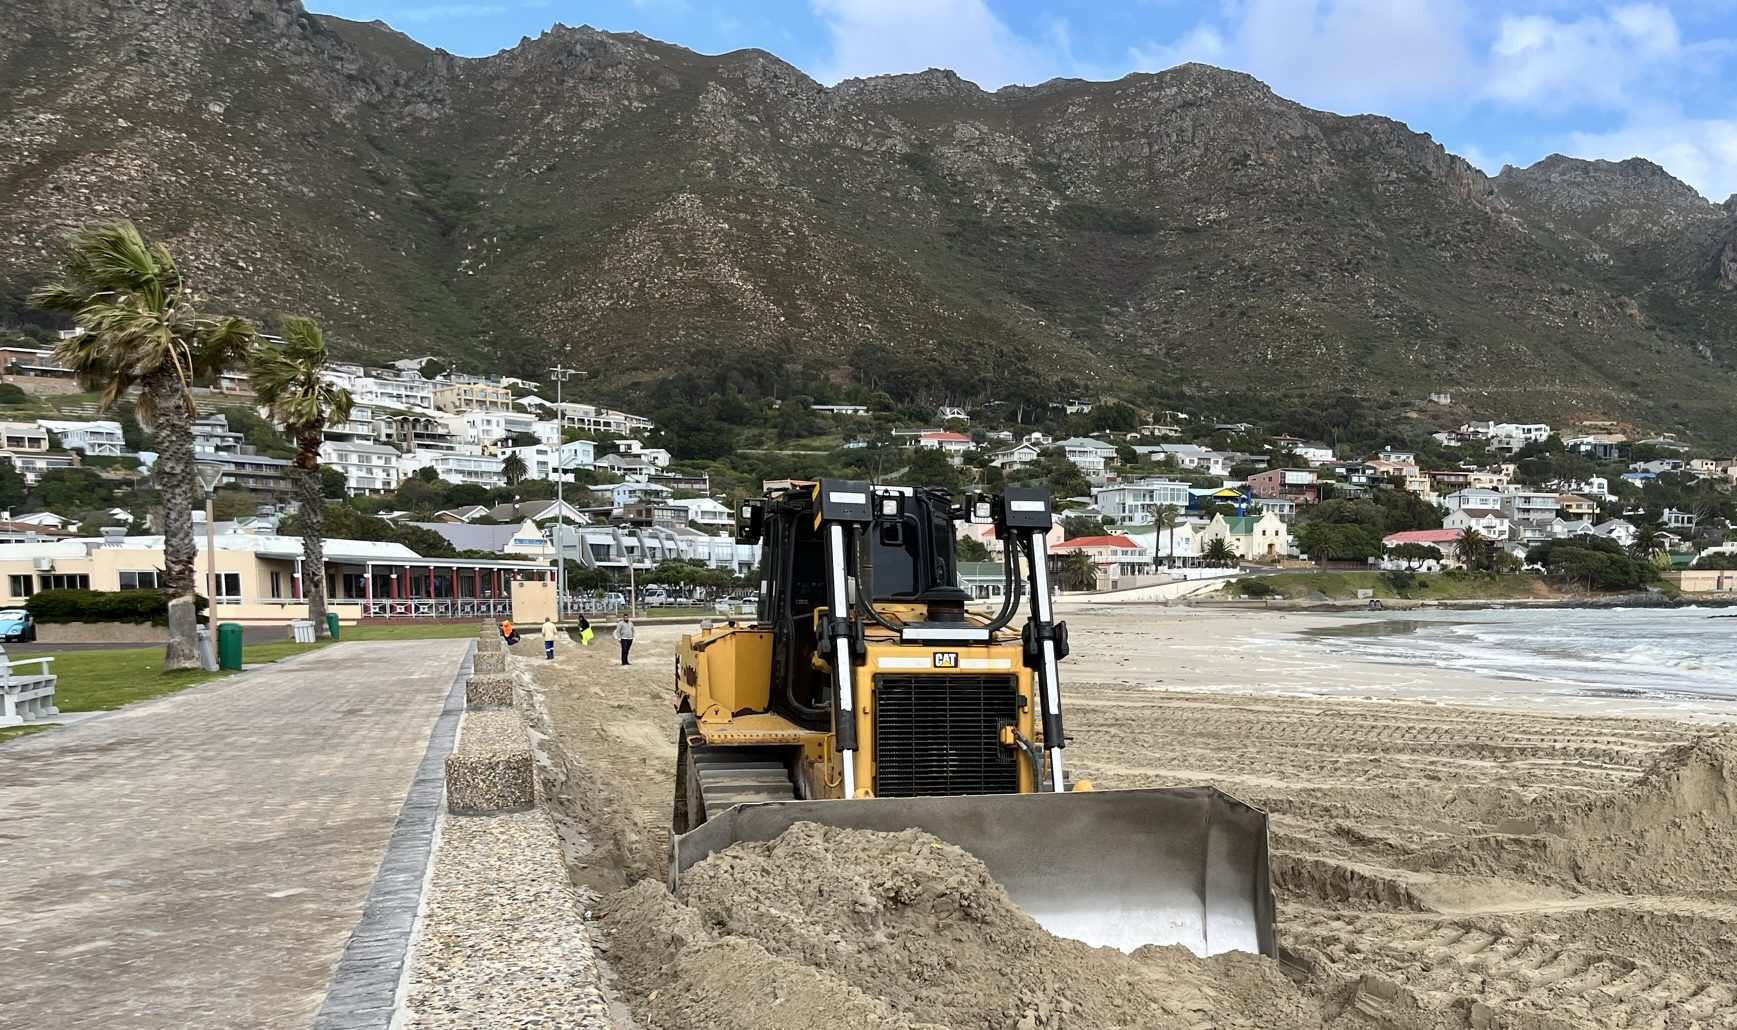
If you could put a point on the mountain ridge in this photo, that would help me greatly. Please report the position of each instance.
(609, 198)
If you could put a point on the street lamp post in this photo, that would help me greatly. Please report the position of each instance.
(210, 473)
(560, 375)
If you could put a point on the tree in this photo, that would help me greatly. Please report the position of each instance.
(928, 466)
(513, 467)
(1167, 517)
(1470, 548)
(229, 505)
(287, 379)
(1598, 563)
(972, 549)
(1648, 541)
(1722, 562)
(11, 487)
(334, 485)
(1220, 553)
(1337, 541)
(1415, 554)
(428, 474)
(143, 332)
(1077, 571)
(1076, 526)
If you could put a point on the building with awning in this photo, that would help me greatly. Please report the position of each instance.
(260, 577)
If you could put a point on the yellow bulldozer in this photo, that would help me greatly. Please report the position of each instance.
(867, 693)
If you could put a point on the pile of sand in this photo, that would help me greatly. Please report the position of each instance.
(1675, 827)
(847, 928)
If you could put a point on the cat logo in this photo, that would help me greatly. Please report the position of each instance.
(946, 659)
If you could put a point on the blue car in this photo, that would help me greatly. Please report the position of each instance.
(16, 624)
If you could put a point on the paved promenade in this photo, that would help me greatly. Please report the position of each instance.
(200, 861)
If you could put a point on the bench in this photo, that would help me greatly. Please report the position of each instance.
(25, 695)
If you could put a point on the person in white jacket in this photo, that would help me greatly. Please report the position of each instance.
(549, 639)
(624, 633)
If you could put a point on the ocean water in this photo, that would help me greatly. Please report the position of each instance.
(1634, 652)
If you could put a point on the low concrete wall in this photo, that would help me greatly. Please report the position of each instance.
(489, 691)
(491, 770)
(100, 633)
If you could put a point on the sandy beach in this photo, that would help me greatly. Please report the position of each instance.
(1448, 850)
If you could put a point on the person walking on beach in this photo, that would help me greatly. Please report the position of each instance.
(549, 638)
(624, 633)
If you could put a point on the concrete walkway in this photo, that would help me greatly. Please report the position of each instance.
(201, 860)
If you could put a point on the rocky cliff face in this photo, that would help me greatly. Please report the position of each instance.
(618, 201)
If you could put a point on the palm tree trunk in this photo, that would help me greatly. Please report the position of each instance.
(173, 473)
(313, 520)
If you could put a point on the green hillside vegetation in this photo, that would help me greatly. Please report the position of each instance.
(1445, 586)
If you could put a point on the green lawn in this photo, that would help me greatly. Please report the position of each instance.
(1341, 586)
(97, 681)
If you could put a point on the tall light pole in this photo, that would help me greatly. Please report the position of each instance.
(560, 375)
(210, 473)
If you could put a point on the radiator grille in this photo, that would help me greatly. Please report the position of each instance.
(938, 735)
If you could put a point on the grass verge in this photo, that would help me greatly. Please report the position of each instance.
(99, 681)
(1341, 586)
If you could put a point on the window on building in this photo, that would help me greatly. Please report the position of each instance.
(277, 584)
(354, 584)
(63, 581)
(229, 587)
(150, 580)
(21, 586)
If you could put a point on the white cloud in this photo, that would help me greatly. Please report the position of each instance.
(1203, 43)
(1541, 62)
(1701, 152)
(1358, 54)
(877, 37)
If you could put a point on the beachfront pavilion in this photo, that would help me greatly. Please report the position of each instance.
(259, 577)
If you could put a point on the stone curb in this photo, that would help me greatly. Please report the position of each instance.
(491, 770)
(489, 691)
(491, 663)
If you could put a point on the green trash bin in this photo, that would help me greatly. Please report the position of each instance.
(332, 624)
(229, 646)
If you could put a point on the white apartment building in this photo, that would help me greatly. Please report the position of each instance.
(1530, 506)
(485, 427)
(212, 435)
(369, 468)
(579, 454)
(1508, 437)
(23, 437)
(1474, 497)
(539, 460)
(481, 469)
(1135, 503)
(1491, 523)
(413, 392)
(101, 437)
(31, 466)
(594, 419)
(706, 513)
(359, 426)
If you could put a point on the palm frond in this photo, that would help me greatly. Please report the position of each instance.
(286, 378)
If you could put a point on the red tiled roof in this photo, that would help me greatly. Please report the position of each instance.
(946, 436)
(1422, 536)
(1113, 540)
(32, 527)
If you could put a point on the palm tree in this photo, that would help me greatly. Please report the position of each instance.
(143, 332)
(1469, 547)
(286, 378)
(1648, 541)
(1167, 517)
(1220, 553)
(513, 467)
(1077, 572)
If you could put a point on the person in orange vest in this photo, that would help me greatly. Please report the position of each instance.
(507, 632)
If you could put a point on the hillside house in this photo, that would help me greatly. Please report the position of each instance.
(1115, 555)
(953, 445)
(1299, 485)
(1136, 502)
(1491, 523)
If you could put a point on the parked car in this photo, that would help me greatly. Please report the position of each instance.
(16, 624)
(614, 599)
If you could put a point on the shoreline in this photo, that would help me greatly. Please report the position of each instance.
(1270, 653)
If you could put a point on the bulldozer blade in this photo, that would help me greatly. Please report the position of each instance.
(1116, 868)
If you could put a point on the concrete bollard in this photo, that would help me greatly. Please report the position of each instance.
(491, 770)
(488, 663)
(494, 690)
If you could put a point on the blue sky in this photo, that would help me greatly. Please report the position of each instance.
(1495, 82)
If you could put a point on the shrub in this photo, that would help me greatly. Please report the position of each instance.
(1255, 588)
(137, 606)
(13, 394)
